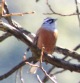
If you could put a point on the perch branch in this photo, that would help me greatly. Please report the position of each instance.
(63, 51)
(27, 40)
(67, 52)
(24, 38)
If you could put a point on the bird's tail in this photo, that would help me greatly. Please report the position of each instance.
(33, 69)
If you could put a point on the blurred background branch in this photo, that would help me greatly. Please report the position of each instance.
(56, 13)
(77, 11)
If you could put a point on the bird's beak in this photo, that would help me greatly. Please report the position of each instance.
(56, 19)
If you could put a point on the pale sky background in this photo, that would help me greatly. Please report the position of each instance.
(78, 1)
(12, 50)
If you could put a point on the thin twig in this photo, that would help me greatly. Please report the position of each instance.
(42, 70)
(21, 78)
(56, 13)
(41, 67)
(39, 79)
(16, 76)
(17, 14)
(3, 2)
(77, 47)
(42, 53)
(12, 14)
(45, 79)
(77, 10)
(48, 75)
(7, 74)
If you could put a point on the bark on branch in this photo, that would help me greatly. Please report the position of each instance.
(52, 60)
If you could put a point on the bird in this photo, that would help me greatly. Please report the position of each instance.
(46, 36)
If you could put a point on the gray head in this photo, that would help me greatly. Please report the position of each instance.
(49, 20)
(49, 23)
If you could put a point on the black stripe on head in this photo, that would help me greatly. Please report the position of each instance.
(50, 21)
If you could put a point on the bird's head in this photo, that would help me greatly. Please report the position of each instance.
(49, 23)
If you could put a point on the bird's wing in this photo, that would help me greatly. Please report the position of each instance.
(36, 38)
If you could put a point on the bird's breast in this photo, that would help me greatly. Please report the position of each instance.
(47, 39)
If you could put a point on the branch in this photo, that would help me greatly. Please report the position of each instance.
(77, 11)
(77, 47)
(53, 12)
(54, 61)
(6, 14)
(15, 68)
(62, 64)
(37, 51)
(21, 78)
(39, 79)
(4, 36)
(63, 51)
(67, 52)
(53, 80)
(45, 79)
(46, 74)
(17, 14)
